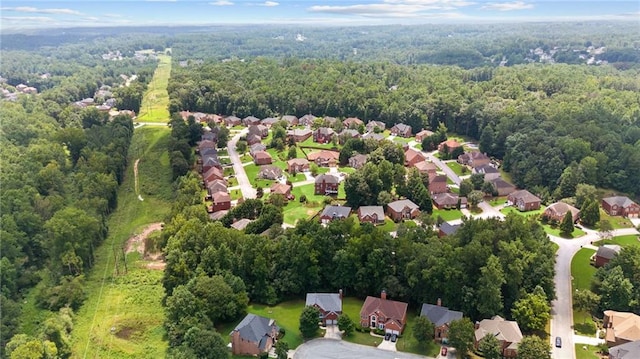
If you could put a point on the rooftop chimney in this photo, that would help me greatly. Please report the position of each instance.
(340, 293)
(383, 294)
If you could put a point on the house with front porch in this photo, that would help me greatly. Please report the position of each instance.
(384, 314)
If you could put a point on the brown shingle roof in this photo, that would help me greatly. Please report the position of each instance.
(392, 309)
(220, 197)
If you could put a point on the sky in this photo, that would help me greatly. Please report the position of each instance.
(25, 14)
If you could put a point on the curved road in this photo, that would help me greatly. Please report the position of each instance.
(243, 181)
(562, 308)
(336, 349)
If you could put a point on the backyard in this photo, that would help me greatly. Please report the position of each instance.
(582, 273)
(457, 168)
(447, 214)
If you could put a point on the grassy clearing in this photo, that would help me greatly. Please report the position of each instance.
(510, 209)
(409, 344)
(590, 353)
(155, 103)
(616, 221)
(129, 303)
(308, 143)
(497, 201)
(457, 168)
(555, 231)
(582, 273)
(447, 214)
(623, 241)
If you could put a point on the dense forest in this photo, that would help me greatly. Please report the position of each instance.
(554, 126)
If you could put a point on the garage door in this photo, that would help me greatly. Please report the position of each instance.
(332, 322)
(392, 331)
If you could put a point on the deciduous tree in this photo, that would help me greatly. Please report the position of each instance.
(534, 347)
(309, 322)
(423, 330)
(461, 336)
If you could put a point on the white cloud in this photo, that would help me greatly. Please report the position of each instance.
(270, 3)
(38, 19)
(397, 8)
(221, 3)
(508, 6)
(41, 11)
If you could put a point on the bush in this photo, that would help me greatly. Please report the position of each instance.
(303, 198)
(281, 333)
(379, 331)
(327, 200)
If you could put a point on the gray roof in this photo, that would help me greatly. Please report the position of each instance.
(336, 211)
(374, 136)
(630, 350)
(373, 124)
(256, 329)
(402, 127)
(448, 229)
(329, 302)
(486, 168)
(506, 330)
(439, 315)
(608, 251)
(621, 201)
(525, 195)
(350, 132)
(397, 206)
(241, 224)
(371, 210)
(327, 178)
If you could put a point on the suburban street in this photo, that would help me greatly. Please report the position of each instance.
(241, 175)
(562, 308)
(443, 167)
(337, 349)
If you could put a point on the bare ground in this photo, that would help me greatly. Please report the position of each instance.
(137, 244)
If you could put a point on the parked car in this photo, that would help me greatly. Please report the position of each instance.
(394, 337)
(558, 342)
(443, 351)
(387, 336)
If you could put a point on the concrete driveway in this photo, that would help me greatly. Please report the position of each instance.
(333, 349)
(243, 181)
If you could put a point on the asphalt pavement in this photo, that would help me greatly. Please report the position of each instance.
(241, 175)
(333, 349)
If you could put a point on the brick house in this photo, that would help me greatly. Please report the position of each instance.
(231, 121)
(209, 162)
(253, 139)
(372, 125)
(324, 158)
(401, 130)
(506, 331)
(221, 201)
(474, 159)
(297, 165)
(621, 206)
(262, 158)
(488, 170)
(558, 210)
(412, 157)
(268, 122)
(621, 327)
(523, 200)
(357, 161)
(290, 119)
(270, 172)
(258, 130)
(385, 314)
(332, 213)
(437, 183)
(503, 187)
(250, 120)
(213, 174)
(281, 188)
(216, 185)
(256, 147)
(254, 335)
(347, 134)
(426, 167)
(446, 229)
(299, 135)
(451, 145)
(326, 184)
(448, 201)
(329, 305)
(307, 120)
(605, 253)
(441, 317)
(323, 135)
(422, 135)
(371, 214)
(402, 209)
(352, 122)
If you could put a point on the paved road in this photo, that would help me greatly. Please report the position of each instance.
(334, 349)
(243, 181)
(561, 308)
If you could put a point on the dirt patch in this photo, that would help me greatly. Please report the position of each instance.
(156, 265)
(125, 333)
(136, 243)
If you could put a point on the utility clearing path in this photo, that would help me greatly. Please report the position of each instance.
(135, 175)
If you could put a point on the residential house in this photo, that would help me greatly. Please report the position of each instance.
(426, 167)
(401, 130)
(216, 185)
(241, 224)
(297, 165)
(307, 120)
(412, 157)
(262, 158)
(290, 119)
(371, 214)
(437, 183)
(448, 201)
(299, 135)
(422, 135)
(352, 122)
(254, 335)
(441, 317)
(605, 253)
(621, 206)
(558, 210)
(253, 139)
(372, 125)
(257, 147)
(385, 314)
(621, 327)
(357, 161)
(323, 135)
(329, 121)
(629, 350)
(446, 229)
(210, 136)
(221, 201)
(373, 136)
(250, 120)
(506, 331)
(329, 305)
(205, 144)
(268, 122)
(212, 174)
(331, 213)
(503, 187)
(402, 209)
(450, 145)
(270, 172)
(347, 134)
(324, 158)
(474, 159)
(231, 121)
(523, 200)
(327, 184)
(207, 152)
(281, 188)
(260, 130)
(209, 162)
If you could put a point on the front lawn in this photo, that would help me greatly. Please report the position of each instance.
(457, 168)
(555, 231)
(497, 201)
(407, 343)
(351, 307)
(582, 273)
(447, 214)
(347, 170)
(623, 241)
(591, 352)
(308, 143)
(511, 209)
(299, 177)
(616, 221)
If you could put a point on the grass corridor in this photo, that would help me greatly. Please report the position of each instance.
(155, 103)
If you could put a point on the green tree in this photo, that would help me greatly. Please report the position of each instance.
(616, 291)
(206, 344)
(475, 197)
(490, 288)
(490, 347)
(293, 152)
(461, 336)
(534, 347)
(590, 214)
(282, 349)
(241, 147)
(584, 193)
(477, 179)
(585, 300)
(566, 226)
(223, 136)
(531, 312)
(423, 329)
(345, 324)
(465, 187)
(309, 322)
